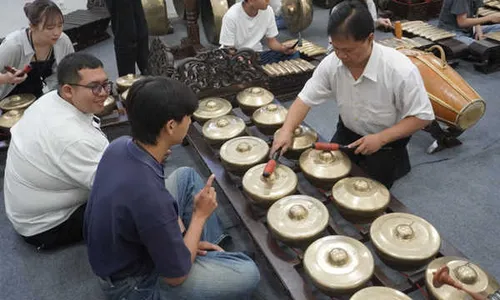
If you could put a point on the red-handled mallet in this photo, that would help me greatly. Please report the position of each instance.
(329, 146)
(10, 69)
(271, 164)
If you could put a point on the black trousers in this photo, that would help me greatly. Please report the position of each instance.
(385, 166)
(130, 30)
(69, 232)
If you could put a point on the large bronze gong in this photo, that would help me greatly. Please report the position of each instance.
(298, 14)
(212, 12)
(156, 16)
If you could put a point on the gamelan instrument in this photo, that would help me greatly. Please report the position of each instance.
(17, 101)
(297, 220)
(125, 82)
(156, 16)
(404, 241)
(288, 67)
(212, 12)
(493, 35)
(297, 14)
(303, 138)
(416, 42)
(484, 11)
(426, 30)
(338, 264)
(10, 118)
(281, 182)
(109, 106)
(269, 118)
(218, 130)
(456, 278)
(454, 101)
(307, 48)
(360, 198)
(241, 153)
(323, 167)
(492, 3)
(212, 107)
(250, 99)
(379, 292)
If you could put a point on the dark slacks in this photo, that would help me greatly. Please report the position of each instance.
(130, 30)
(385, 165)
(69, 232)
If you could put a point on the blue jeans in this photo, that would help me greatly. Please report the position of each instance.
(467, 39)
(217, 276)
(271, 56)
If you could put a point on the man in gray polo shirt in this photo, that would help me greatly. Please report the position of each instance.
(53, 155)
(460, 16)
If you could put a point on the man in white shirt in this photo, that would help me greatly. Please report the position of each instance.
(380, 94)
(246, 23)
(54, 153)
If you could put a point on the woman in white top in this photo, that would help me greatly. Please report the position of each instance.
(42, 46)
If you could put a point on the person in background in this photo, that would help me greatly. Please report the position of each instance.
(246, 23)
(53, 155)
(131, 36)
(379, 92)
(276, 6)
(152, 235)
(460, 17)
(42, 46)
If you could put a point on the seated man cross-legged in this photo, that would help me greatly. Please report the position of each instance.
(53, 155)
(152, 235)
(246, 23)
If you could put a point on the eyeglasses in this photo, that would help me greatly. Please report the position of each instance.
(97, 88)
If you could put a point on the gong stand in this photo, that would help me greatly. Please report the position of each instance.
(444, 138)
(220, 73)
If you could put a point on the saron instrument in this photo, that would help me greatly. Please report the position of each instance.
(241, 153)
(338, 264)
(212, 107)
(470, 276)
(17, 101)
(404, 241)
(288, 67)
(297, 220)
(454, 101)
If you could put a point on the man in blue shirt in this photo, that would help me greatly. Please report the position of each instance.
(136, 220)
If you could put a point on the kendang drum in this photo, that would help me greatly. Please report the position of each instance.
(454, 101)
(212, 107)
(297, 220)
(338, 264)
(404, 241)
(241, 153)
(451, 277)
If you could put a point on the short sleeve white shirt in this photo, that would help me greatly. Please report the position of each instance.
(239, 30)
(389, 90)
(51, 164)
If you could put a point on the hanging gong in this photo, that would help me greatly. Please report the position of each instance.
(265, 191)
(241, 153)
(324, 168)
(379, 292)
(298, 219)
(11, 117)
(212, 12)
(125, 82)
(17, 101)
(405, 240)
(462, 271)
(338, 264)
(269, 118)
(156, 16)
(250, 99)
(298, 14)
(109, 106)
(221, 129)
(360, 196)
(212, 107)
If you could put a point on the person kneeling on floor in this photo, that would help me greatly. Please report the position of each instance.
(136, 216)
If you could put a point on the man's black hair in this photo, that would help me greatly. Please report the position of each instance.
(153, 101)
(67, 70)
(351, 19)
